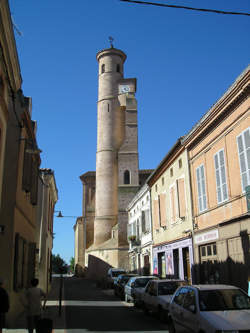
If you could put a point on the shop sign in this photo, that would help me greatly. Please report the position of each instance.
(176, 245)
(206, 236)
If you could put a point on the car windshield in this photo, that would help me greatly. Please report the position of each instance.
(125, 279)
(141, 283)
(116, 273)
(167, 288)
(223, 299)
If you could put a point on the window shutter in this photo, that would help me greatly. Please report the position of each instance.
(147, 220)
(200, 179)
(244, 157)
(143, 226)
(34, 185)
(163, 209)
(31, 262)
(156, 221)
(16, 256)
(173, 204)
(27, 168)
(181, 197)
(220, 176)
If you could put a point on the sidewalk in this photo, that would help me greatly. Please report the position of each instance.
(52, 311)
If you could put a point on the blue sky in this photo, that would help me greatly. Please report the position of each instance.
(183, 61)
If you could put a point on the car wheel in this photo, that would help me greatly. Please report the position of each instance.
(171, 327)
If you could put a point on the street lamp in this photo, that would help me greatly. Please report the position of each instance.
(61, 215)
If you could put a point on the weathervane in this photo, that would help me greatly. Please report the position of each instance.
(111, 39)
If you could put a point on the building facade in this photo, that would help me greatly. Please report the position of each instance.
(219, 156)
(47, 198)
(172, 216)
(19, 175)
(140, 232)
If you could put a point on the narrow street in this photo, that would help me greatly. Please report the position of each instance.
(86, 308)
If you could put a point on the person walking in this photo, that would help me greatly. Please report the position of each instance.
(34, 296)
(4, 305)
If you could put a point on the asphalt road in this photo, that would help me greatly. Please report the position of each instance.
(91, 309)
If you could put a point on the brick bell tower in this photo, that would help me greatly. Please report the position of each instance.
(116, 159)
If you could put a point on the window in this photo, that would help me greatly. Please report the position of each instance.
(200, 179)
(103, 68)
(180, 295)
(243, 141)
(208, 252)
(220, 175)
(118, 68)
(180, 163)
(126, 177)
(156, 188)
(171, 172)
(162, 181)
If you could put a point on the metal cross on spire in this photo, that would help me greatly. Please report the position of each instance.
(111, 39)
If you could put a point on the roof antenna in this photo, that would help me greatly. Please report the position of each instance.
(111, 39)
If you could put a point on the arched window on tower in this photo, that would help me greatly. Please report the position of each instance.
(118, 68)
(126, 177)
(103, 68)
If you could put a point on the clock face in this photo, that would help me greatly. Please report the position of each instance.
(124, 89)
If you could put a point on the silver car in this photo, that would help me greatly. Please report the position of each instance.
(135, 286)
(209, 309)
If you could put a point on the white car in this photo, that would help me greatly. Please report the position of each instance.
(209, 309)
(135, 286)
(157, 296)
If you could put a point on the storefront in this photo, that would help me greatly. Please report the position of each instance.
(174, 260)
(221, 254)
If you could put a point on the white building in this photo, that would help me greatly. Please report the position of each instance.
(140, 232)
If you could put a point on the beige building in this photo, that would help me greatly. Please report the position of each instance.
(172, 215)
(219, 156)
(47, 198)
(19, 174)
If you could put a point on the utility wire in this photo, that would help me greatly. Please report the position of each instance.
(185, 7)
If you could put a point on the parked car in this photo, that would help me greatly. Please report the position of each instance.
(113, 274)
(136, 286)
(157, 296)
(209, 309)
(120, 283)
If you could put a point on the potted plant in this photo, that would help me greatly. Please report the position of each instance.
(132, 238)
